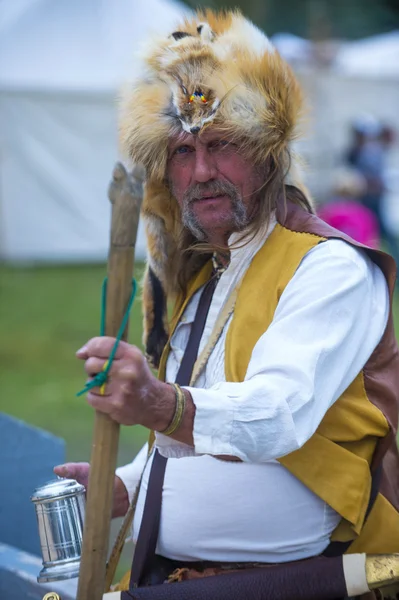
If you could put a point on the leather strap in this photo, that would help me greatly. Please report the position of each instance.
(148, 534)
(149, 528)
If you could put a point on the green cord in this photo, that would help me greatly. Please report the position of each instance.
(101, 378)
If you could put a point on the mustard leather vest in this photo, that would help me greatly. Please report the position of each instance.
(358, 432)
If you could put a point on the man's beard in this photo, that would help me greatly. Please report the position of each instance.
(239, 215)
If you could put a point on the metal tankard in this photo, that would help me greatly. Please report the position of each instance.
(60, 510)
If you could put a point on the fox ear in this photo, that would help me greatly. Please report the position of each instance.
(179, 35)
(205, 32)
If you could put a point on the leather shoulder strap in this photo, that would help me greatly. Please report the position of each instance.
(149, 529)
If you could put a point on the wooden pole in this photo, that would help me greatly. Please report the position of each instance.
(125, 194)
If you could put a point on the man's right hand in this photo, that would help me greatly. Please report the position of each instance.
(80, 472)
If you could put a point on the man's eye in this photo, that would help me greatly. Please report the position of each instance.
(219, 144)
(182, 150)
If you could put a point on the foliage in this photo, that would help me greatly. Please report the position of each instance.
(316, 18)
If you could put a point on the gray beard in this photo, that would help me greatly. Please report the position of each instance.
(213, 188)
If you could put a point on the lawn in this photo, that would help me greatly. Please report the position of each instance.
(46, 314)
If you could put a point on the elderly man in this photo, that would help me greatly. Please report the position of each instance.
(275, 409)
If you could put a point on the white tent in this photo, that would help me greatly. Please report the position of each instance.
(376, 56)
(61, 64)
(295, 50)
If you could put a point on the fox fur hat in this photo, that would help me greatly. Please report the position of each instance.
(213, 70)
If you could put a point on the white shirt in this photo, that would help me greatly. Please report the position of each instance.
(329, 319)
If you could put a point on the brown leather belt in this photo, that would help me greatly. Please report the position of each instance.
(188, 571)
(165, 570)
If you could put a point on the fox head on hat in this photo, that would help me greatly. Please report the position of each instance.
(213, 70)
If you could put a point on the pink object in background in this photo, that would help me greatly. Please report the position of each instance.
(354, 219)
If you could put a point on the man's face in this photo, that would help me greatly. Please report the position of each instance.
(215, 186)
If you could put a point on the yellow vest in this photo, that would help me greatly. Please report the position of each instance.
(335, 462)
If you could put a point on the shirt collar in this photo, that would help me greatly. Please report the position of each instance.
(247, 246)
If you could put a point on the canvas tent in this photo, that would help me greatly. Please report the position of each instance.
(376, 56)
(61, 65)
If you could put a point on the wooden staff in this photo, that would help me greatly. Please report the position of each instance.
(125, 194)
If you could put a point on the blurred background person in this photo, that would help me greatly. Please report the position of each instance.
(345, 212)
(371, 142)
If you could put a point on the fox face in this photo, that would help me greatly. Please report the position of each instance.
(188, 61)
(194, 107)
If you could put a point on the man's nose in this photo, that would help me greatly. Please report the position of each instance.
(205, 168)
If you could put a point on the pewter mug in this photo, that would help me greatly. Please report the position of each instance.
(60, 510)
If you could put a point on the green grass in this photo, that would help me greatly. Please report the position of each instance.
(46, 314)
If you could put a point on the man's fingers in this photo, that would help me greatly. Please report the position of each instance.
(78, 471)
(94, 365)
(101, 348)
(115, 409)
(128, 372)
(105, 390)
(127, 368)
(61, 470)
(81, 353)
(119, 369)
(100, 402)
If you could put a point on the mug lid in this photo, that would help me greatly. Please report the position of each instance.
(56, 489)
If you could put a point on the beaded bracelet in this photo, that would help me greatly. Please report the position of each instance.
(179, 410)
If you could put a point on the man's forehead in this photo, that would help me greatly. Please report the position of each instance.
(183, 136)
(209, 134)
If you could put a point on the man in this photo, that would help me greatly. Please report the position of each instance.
(368, 155)
(280, 442)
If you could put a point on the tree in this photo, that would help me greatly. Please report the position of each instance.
(316, 18)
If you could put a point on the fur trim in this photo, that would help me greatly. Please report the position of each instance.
(214, 69)
(251, 92)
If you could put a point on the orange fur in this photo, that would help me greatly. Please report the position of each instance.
(161, 217)
(260, 99)
(215, 69)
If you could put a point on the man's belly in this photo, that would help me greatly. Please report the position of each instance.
(234, 511)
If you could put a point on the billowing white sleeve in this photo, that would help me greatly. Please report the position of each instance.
(131, 473)
(329, 319)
